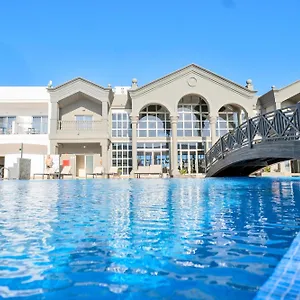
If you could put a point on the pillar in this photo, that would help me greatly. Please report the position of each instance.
(53, 112)
(104, 154)
(134, 120)
(52, 147)
(104, 109)
(174, 150)
(277, 105)
(213, 129)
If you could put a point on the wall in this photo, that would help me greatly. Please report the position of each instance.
(24, 168)
(37, 163)
(79, 148)
(81, 107)
(172, 90)
(23, 109)
(27, 148)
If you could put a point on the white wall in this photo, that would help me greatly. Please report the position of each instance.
(37, 163)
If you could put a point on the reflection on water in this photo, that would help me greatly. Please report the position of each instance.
(179, 239)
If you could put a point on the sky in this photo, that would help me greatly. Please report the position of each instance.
(111, 42)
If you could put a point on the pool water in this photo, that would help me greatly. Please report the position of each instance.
(144, 239)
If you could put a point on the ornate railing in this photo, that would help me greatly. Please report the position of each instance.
(281, 124)
(79, 125)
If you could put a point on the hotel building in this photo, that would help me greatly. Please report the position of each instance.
(171, 121)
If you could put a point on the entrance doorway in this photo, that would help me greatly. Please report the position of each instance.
(154, 154)
(191, 157)
(84, 164)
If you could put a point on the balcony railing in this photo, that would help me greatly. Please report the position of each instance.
(24, 128)
(79, 125)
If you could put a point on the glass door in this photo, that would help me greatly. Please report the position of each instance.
(89, 163)
(193, 165)
(148, 158)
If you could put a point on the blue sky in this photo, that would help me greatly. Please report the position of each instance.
(114, 41)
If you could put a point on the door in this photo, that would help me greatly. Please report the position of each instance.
(148, 158)
(89, 165)
(193, 164)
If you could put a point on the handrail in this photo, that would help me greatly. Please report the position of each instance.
(279, 124)
(79, 125)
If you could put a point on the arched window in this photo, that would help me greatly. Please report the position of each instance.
(154, 121)
(193, 117)
(230, 117)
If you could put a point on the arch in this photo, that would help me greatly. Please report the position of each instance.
(234, 105)
(154, 121)
(197, 95)
(289, 102)
(193, 112)
(138, 106)
(154, 103)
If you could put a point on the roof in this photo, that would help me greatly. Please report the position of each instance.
(24, 93)
(202, 71)
(77, 79)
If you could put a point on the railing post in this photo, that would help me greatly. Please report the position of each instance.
(249, 133)
(221, 147)
(298, 115)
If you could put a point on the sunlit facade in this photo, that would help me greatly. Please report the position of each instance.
(171, 121)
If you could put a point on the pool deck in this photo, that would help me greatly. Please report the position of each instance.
(285, 281)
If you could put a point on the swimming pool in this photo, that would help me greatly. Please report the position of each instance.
(144, 239)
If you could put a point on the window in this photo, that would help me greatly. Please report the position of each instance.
(154, 121)
(226, 121)
(6, 124)
(122, 157)
(154, 153)
(40, 124)
(121, 125)
(191, 157)
(84, 122)
(193, 117)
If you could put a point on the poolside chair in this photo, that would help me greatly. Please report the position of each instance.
(66, 171)
(50, 172)
(112, 172)
(97, 171)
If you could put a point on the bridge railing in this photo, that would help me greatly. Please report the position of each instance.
(276, 125)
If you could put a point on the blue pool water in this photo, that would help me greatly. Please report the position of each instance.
(144, 239)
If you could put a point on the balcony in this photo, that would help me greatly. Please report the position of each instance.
(80, 125)
(24, 128)
(85, 129)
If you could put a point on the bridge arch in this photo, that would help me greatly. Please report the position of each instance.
(263, 140)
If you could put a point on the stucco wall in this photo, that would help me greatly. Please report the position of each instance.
(81, 107)
(170, 93)
(27, 149)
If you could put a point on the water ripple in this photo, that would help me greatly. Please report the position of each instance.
(196, 239)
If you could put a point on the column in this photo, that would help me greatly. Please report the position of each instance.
(52, 147)
(104, 154)
(53, 113)
(213, 129)
(277, 105)
(134, 120)
(104, 109)
(174, 150)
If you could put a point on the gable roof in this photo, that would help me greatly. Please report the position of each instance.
(192, 68)
(78, 79)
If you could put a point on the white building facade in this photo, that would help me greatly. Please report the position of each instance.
(171, 121)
